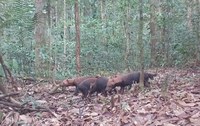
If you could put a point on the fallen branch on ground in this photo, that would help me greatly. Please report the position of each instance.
(8, 95)
(25, 109)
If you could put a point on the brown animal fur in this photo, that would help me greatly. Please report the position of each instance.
(75, 82)
(86, 85)
(112, 82)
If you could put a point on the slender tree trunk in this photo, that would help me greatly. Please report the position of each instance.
(153, 32)
(167, 35)
(169, 29)
(49, 12)
(69, 17)
(127, 35)
(103, 9)
(56, 13)
(103, 18)
(2, 88)
(49, 36)
(51, 16)
(39, 34)
(198, 30)
(54, 55)
(7, 73)
(141, 44)
(77, 25)
(164, 32)
(189, 4)
(65, 28)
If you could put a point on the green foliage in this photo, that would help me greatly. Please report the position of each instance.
(17, 30)
(103, 41)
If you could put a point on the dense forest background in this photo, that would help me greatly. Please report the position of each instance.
(49, 49)
(59, 38)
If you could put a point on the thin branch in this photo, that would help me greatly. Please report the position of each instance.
(8, 95)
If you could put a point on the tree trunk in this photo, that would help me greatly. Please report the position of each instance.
(51, 16)
(197, 30)
(2, 88)
(77, 25)
(163, 33)
(49, 12)
(189, 4)
(54, 55)
(49, 37)
(103, 11)
(103, 19)
(7, 72)
(165, 38)
(65, 27)
(127, 35)
(69, 17)
(169, 29)
(167, 35)
(39, 34)
(141, 44)
(153, 32)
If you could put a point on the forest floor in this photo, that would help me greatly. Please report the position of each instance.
(173, 100)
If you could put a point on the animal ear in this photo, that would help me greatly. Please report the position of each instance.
(97, 76)
(92, 85)
(69, 80)
(65, 81)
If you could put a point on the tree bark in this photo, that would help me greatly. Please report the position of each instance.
(49, 38)
(65, 27)
(53, 51)
(49, 12)
(197, 30)
(153, 31)
(141, 44)
(103, 19)
(103, 10)
(127, 35)
(39, 34)
(77, 25)
(189, 4)
(169, 28)
(7, 72)
(165, 38)
(2, 88)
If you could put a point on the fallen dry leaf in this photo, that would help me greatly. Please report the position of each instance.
(181, 105)
(196, 121)
(168, 124)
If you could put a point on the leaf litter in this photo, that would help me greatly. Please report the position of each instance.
(177, 105)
